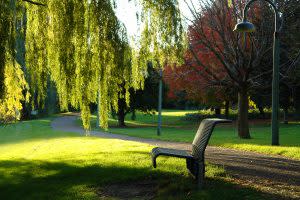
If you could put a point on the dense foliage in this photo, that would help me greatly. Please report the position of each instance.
(83, 48)
(12, 81)
(145, 100)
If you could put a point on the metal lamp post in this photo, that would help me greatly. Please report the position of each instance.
(246, 26)
(159, 103)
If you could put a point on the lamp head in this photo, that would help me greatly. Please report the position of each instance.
(244, 26)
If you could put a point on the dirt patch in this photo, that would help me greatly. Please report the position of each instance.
(140, 189)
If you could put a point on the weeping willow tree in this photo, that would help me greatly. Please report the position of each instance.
(161, 38)
(13, 85)
(123, 74)
(36, 53)
(84, 49)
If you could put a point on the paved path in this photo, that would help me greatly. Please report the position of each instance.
(271, 174)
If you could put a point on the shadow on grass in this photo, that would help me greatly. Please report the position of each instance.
(30, 131)
(23, 179)
(279, 170)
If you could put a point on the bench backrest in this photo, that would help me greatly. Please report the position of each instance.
(203, 135)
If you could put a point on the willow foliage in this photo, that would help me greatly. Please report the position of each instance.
(161, 40)
(5, 23)
(15, 84)
(84, 49)
(12, 81)
(36, 52)
(163, 32)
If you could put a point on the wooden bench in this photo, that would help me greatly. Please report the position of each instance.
(195, 158)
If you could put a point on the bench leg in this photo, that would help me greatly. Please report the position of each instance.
(200, 175)
(154, 160)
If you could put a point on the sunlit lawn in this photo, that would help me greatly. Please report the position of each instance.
(39, 163)
(176, 128)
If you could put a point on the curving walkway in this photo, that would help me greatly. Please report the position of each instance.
(272, 174)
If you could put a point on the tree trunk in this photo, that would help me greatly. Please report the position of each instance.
(297, 102)
(261, 111)
(121, 119)
(217, 111)
(285, 115)
(98, 108)
(243, 124)
(121, 112)
(133, 116)
(226, 109)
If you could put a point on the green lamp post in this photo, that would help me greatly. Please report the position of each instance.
(159, 102)
(246, 26)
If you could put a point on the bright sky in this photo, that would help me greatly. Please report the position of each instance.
(126, 12)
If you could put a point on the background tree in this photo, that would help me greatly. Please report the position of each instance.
(291, 39)
(144, 100)
(184, 82)
(240, 58)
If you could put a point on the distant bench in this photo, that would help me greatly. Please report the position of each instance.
(194, 159)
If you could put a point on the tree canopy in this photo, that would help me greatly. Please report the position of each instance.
(83, 48)
(220, 61)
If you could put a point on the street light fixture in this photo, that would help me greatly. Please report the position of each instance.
(246, 26)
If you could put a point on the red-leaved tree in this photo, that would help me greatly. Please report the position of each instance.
(221, 59)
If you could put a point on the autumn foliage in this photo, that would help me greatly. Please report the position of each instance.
(202, 72)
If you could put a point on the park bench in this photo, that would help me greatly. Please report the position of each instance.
(195, 158)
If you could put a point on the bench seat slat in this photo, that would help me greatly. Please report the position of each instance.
(171, 152)
(157, 151)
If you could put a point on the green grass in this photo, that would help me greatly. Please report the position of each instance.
(176, 128)
(39, 163)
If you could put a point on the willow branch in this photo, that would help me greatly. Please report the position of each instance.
(35, 3)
